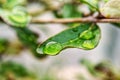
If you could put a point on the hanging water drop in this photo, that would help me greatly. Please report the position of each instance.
(88, 44)
(18, 15)
(52, 48)
(88, 34)
(17, 18)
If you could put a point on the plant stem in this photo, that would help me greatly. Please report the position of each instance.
(76, 20)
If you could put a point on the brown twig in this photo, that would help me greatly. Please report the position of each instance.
(76, 20)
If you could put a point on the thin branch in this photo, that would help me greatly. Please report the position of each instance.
(76, 20)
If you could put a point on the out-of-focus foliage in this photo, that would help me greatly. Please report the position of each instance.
(14, 48)
(9, 4)
(105, 0)
(99, 71)
(29, 39)
(3, 45)
(89, 65)
(12, 12)
(93, 4)
(85, 36)
(14, 71)
(111, 9)
(7, 47)
(116, 24)
(102, 71)
(70, 11)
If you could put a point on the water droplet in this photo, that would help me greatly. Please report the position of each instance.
(71, 41)
(87, 35)
(88, 44)
(18, 17)
(52, 48)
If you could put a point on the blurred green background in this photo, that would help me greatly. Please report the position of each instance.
(18, 57)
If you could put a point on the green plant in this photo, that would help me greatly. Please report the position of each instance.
(103, 70)
(14, 71)
(82, 32)
(80, 35)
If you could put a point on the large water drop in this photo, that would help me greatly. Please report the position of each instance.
(86, 35)
(88, 44)
(52, 48)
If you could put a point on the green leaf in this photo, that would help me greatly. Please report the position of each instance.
(13, 70)
(17, 69)
(93, 4)
(9, 4)
(105, 0)
(17, 17)
(116, 24)
(70, 11)
(84, 36)
(111, 9)
(90, 66)
(29, 39)
(3, 45)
